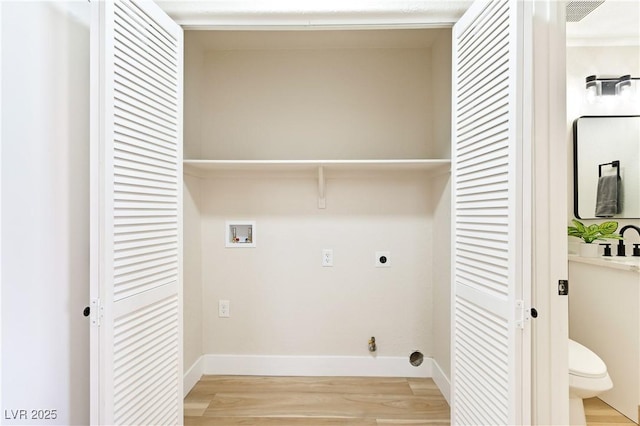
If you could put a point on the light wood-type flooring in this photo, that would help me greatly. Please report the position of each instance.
(309, 401)
(598, 413)
(329, 401)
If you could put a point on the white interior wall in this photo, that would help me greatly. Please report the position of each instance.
(283, 302)
(193, 74)
(1, 143)
(607, 300)
(45, 202)
(601, 61)
(192, 271)
(441, 91)
(318, 103)
(441, 273)
(279, 305)
(441, 190)
(192, 276)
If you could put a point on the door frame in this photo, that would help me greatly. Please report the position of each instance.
(549, 380)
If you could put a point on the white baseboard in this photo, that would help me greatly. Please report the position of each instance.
(273, 365)
(270, 365)
(442, 381)
(192, 376)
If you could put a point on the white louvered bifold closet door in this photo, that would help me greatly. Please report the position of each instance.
(137, 358)
(488, 217)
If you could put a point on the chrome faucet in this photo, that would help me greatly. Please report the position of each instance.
(621, 247)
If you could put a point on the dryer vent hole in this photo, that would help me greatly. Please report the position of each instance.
(416, 358)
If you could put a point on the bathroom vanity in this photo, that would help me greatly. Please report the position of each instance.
(604, 315)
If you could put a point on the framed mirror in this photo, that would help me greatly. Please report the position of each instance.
(606, 167)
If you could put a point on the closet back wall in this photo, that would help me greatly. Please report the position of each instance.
(316, 95)
(323, 103)
(313, 95)
(283, 302)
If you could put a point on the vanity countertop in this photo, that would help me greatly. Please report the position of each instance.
(628, 263)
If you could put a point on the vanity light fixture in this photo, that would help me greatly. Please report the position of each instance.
(623, 86)
(609, 86)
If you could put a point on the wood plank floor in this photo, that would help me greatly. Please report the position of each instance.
(332, 401)
(598, 413)
(284, 401)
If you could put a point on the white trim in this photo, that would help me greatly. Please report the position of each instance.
(442, 381)
(270, 365)
(192, 376)
(550, 371)
(309, 168)
(1, 328)
(283, 365)
(296, 25)
(95, 50)
(314, 15)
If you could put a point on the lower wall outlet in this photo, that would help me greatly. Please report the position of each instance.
(327, 257)
(223, 308)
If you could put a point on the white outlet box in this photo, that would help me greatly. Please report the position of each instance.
(223, 308)
(383, 259)
(327, 257)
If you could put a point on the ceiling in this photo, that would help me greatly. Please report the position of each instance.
(615, 22)
(317, 13)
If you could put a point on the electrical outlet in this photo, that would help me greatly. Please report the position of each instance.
(383, 259)
(223, 308)
(327, 257)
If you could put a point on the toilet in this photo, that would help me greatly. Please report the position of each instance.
(588, 377)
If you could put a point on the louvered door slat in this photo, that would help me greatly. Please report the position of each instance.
(151, 101)
(482, 95)
(124, 224)
(467, 42)
(134, 394)
(486, 51)
(129, 79)
(486, 205)
(164, 42)
(131, 193)
(148, 175)
(478, 121)
(488, 140)
(137, 41)
(142, 193)
(144, 233)
(142, 146)
(159, 84)
(127, 119)
(141, 152)
(489, 66)
(137, 251)
(141, 109)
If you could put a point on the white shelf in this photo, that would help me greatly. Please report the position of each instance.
(205, 167)
(307, 168)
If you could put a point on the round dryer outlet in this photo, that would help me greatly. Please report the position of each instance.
(383, 259)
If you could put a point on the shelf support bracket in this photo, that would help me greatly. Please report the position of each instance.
(322, 202)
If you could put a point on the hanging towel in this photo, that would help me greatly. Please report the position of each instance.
(607, 200)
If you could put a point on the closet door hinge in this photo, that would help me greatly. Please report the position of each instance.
(522, 314)
(96, 312)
